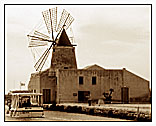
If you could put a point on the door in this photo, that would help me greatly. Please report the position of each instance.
(83, 96)
(46, 96)
(125, 95)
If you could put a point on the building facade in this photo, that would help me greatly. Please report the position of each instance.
(64, 82)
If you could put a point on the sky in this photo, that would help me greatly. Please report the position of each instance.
(114, 37)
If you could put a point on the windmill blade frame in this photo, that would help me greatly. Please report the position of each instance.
(65, 21)
(46, 17)
(40, 59)
(38, 39)
(63, 18)
(44, 56)
(41, 35)
(43, 62)
(69, 22)
(53, 18)
(50, 18)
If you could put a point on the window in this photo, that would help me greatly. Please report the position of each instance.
(65, 67)
(81, 80)
(53, 50)
(73, 50)
(56, 80)
(93, 80)
(74, 94)
(34, 91)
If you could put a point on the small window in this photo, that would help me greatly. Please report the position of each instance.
(56, 80)
(80, 80)
(53, 50)
(34, 91)
(74, 94)
(73, 50)
(65, 67)
(93, 80)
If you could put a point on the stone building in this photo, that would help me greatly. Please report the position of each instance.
(64, 82)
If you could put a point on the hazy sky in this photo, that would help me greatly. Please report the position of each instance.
(110, 36)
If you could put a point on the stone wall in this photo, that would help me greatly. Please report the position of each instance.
(65, 85)
(138, 87)
(48, 83)
(68, 83)
(34, 83)
(40, 81)
(63, 58)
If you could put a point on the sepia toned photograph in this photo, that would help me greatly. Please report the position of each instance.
(80, 63)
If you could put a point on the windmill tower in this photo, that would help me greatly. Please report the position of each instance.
(63, 51)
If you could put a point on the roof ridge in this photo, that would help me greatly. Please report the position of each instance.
(87, 67)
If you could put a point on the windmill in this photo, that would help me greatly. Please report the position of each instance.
(38, 39)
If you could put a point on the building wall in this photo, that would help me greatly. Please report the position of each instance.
(34, 83)
(68, 83)
(115, 78)
(62, 57)
(138, 86)
(42, 81)
(48, 83)
(64, 88)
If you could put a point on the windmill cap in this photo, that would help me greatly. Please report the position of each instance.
(64, 40)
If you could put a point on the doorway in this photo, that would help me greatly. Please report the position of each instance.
(125, 95)
(83, 96)
(46, 96)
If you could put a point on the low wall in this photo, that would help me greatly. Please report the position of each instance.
(106, 112)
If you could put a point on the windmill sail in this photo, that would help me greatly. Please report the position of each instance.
(39, 62)
(69, 21)
(50, 18)
(38, 37)
(53, 13)
(47, 20)
(63, 18)
(41, 35)
(65, 21)
(39, 65)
